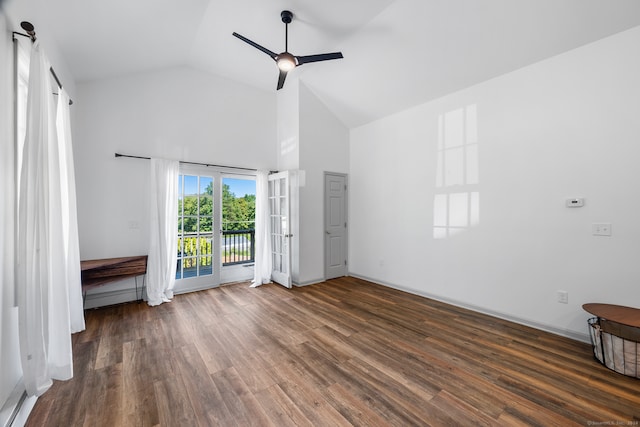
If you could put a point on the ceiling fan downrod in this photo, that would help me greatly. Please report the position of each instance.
(286, 17)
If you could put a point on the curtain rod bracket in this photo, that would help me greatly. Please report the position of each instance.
(31, 34)
(17, 33)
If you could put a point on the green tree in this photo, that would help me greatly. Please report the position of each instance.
(238, 213)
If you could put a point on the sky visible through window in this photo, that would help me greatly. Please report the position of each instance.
(239, 187)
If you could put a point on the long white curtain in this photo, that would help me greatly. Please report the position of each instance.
(69, 212)
(47, 271)
(263, 264)
(163, 229)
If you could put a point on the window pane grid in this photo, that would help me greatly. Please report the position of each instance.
(195, 226)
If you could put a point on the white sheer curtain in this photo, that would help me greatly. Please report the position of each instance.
(263, 264)
(69, 213)
(45, 234)
(163, 230)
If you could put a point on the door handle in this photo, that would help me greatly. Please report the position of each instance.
(327, 232)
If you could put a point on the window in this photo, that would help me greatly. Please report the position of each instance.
(195, 226)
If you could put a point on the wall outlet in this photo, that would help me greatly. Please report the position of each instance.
(601, 229)
(563, 297)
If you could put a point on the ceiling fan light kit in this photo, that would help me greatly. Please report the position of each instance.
(285, 60)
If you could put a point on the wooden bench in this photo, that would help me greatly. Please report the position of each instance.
(98, 272)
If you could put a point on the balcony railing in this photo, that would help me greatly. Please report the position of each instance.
(196, 256)
(238, 247)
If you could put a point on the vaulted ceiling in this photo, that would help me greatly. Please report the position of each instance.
(397, 53)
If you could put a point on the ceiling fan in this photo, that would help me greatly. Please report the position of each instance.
(285, 60)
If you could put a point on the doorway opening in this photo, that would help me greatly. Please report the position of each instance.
(237, 243)
(216, 228)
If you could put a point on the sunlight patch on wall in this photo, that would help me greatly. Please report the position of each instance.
(456, 205)
(288, 145)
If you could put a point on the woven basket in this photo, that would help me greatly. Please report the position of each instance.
(616, 346)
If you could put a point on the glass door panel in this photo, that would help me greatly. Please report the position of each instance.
(280, 235)
(195, 227)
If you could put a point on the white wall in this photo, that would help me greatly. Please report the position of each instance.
(565, 127)
(311, 141)
(288, 153)
(177, 113)
(288, 125)
(324, 147)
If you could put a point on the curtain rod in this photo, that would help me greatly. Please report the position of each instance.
(31, 34)
(191, 163)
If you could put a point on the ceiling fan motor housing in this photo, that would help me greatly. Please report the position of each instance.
(286, 16)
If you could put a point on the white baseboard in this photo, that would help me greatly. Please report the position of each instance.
(23, 413)
(120, 296)
(537, 325)
(308, 282)
(16, 409)
(102, 299)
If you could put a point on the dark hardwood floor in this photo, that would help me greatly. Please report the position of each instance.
(343, 352)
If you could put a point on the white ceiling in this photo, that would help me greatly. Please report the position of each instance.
(398, 53)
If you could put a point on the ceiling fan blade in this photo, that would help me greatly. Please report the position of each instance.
(256, 45)
(281, 77)
(320, 57)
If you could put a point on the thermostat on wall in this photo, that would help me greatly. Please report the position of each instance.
(575, 203)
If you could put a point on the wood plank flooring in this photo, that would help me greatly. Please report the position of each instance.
(340, 353)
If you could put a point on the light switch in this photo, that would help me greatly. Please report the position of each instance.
(563, 297)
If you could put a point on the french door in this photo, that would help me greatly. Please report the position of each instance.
(216, 228)
(198, 229)
(280, 228)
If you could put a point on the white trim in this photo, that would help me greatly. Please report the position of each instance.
(237, 273)
(103, 299)
(540, 326)
(196, 288)
(24, 411)
(309, 282)
(17, 408)
(244, 273)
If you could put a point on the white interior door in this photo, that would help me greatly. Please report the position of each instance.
(335, 219)
(280, 228)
